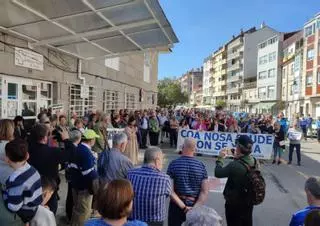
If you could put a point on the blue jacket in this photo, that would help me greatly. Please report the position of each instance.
(284, 125)
(82, 168)
(318, 124)
(299, 217)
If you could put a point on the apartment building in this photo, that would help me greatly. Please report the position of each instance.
(242, 53)
(191, 81)
(219, 75)
(311, 65)
(292, 72)
(207, 84)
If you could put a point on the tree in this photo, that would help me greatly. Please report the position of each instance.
(220, 104)
(169, 93)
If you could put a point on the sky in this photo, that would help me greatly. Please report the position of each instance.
(203, 25)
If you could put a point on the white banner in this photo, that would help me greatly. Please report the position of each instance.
(211, 143)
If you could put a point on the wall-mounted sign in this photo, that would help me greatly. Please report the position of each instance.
(28, 59)
(84, 92)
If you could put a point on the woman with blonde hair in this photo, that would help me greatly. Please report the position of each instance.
(6, 135)
(132, 149)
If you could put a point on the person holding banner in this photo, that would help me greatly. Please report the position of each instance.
(279, 143)
(295, 136)
(238, 209)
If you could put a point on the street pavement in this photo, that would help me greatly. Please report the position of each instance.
(285, 186)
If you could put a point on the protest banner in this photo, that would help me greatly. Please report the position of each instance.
(217, 184)
(211, 143)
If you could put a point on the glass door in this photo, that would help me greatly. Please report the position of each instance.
(12, 99)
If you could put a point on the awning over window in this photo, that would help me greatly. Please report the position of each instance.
(89, 28)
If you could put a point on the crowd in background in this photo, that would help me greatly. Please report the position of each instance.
(101, 166)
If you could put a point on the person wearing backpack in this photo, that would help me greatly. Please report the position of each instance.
(245, 186)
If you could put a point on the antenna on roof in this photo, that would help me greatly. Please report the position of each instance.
(263, 24)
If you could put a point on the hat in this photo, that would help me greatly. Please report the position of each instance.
(245, 142)
(90, 134)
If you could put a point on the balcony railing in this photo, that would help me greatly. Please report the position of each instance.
(249, 85)
(234, 78)
(235, 54)
(233, 90)
(235, 66)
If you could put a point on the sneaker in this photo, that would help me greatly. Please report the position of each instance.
(299, 164)
(279, 162)
(274, 161)
(289, 163)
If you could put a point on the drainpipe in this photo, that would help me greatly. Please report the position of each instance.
(83, 79)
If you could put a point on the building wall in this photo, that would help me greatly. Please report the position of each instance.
(128, 79)
(251, 41)
(207, 92)
(220, 74)
(271, 56)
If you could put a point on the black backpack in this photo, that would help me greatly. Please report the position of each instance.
(256, 185)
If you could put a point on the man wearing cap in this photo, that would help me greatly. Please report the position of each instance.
(312, 189)
(238, 210)
(83, 177)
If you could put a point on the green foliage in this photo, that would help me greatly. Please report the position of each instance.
(220, 104)
(169, 93)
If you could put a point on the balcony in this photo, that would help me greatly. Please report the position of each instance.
(234, 78)
(219, 94)
(233, 90)
(235, 55)
(236, 43)
(237, 66)
(249, 85)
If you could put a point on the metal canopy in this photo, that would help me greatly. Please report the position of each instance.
(89, 28)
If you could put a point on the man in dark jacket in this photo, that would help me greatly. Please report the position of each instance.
(238, 209)
(45, 159)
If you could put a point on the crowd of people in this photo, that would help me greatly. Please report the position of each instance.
(108, 187)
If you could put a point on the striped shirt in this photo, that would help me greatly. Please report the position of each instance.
(187, 174)
(151, 188)
(23, 192)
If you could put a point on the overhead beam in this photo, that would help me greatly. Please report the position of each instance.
(95, 32)
(39, 14)
(79, 14)
(111, 23)
(158, 22)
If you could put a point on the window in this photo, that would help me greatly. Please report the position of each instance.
(291, 90)
(318, 23)
(284, 73)
(130, 101)
(318, 77)
(272, 56)
(262, 93)
(12, 91)
(262, 45)
(263, 59)
(262, 74)
(272, 40)
(271, 73)
(78, 104)
(292, 68)
(309, 80)
(271, 92)
(309, 30)
(110, 100)
(310, 54)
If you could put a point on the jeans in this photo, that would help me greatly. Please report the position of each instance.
(154, 138)
(318, 134)
(291, 149)
(239, 214)
(304, 131)
(69, 202)
(277, 152)
(176, 215)
(144, 134)
(173, 137)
